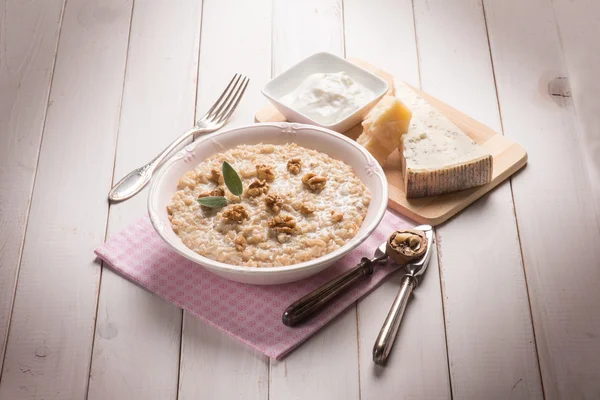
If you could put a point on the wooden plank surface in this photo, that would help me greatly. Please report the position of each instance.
(484, 287)
(417, 367)
(303, 28)
(552, 195)
(577, 23)
(137, 338)
(50, 337)
(214, 365)
(136, 343)
(326, 366)
(28, 39)
(212, 362)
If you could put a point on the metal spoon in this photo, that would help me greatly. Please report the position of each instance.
(315, 300)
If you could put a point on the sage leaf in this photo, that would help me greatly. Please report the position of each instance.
(232, 179)
(212, 201)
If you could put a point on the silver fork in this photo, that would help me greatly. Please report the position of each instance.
(212, 121)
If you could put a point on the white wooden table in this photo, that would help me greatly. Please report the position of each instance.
(90, 89)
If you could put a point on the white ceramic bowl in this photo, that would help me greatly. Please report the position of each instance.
(289, 80)
(164, 185)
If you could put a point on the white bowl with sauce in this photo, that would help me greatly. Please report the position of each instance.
(325, 90)
(368, 170)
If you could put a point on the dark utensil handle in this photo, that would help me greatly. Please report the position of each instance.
(316, 299)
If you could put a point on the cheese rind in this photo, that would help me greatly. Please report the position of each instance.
(437, 157)
(384, 126)
(446, 180)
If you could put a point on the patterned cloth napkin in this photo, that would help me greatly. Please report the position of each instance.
(249, 313)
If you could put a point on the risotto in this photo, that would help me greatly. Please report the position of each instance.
(298, 204)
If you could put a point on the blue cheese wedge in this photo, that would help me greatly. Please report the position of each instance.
(436, 156)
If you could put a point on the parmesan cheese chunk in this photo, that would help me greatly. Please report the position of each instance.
(436, 156)
(383, 127)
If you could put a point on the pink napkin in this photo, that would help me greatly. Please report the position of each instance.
(249, 313)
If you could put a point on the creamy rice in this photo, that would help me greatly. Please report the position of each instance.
(339, 208)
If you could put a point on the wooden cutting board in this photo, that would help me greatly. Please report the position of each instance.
(508, 158)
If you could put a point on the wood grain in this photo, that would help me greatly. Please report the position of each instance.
(368, 36)
(553, 194)
(577, 23)
(50, 338)
(137, 338)
(213, 365)
(325, 367)
(303, 28)
(508, 158)
(489, 331)
(27, 52)
(417, 367)
(211, 362)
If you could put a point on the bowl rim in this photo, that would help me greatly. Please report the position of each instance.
(377, 97)
(303, 266)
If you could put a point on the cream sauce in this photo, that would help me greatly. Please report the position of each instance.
(328, 98)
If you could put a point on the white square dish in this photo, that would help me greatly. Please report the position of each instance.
(289, 80)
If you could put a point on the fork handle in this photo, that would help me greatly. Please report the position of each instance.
(132, 183)
(316, 299)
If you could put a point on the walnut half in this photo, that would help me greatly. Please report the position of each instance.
(283, 224)
(337, 216)
(274, 202)
(294, 165)
(216, 192)
(307, 209)
(413, 241)
(314, 181)
(240, 243)
(406, 245)
(215, 176)
(257, 188)
(265, 173)
(236, 213)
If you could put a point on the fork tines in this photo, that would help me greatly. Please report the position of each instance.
(228, 101)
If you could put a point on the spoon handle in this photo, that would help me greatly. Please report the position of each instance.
(389, 330)
(315, 300)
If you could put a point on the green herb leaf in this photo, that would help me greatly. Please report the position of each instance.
(232, 179)
(212, 201)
